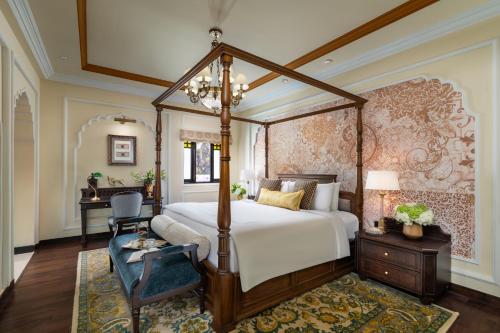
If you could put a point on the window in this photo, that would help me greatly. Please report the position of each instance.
(201, 162)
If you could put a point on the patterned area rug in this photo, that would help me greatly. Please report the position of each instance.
(344, 305)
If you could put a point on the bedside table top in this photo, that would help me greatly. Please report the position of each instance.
(425, 244)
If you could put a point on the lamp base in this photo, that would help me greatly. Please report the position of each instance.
(96, 198)
(381, 225)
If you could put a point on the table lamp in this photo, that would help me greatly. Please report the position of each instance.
(382, 181)
(247, 175)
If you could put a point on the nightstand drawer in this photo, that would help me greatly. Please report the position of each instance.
(392, 255)
(406, 279)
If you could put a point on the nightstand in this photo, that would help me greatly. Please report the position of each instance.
(421, 267)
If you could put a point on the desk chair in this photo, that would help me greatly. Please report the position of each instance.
(126, 207)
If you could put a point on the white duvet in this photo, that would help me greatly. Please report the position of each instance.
(271, 241)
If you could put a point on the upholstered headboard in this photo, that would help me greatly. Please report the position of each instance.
(347, 200)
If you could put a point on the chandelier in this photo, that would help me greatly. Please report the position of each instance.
(200, 89)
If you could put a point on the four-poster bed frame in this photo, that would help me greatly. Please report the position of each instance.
(227, 302)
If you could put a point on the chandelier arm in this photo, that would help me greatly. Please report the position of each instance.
(194, 98)
(209, 91)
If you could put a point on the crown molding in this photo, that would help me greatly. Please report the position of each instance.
(24, 17)
(152, 92)
(321, 98)
(474, 16)
(26, 21)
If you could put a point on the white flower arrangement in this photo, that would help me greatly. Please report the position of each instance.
(410, 213)
(238, 189)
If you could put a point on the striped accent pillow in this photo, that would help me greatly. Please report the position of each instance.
(309, 187)
(270, 184)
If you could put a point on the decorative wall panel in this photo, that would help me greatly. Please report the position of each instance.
(418, 128)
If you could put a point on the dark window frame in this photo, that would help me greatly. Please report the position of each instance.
(192, 147)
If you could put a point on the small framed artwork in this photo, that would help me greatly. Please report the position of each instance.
(122, 150)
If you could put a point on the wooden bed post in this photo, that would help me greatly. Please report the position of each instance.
(157, 188)
(224, 282)
(359, 163)
(266, 140)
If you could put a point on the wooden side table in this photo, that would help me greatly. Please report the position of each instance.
(422, 267)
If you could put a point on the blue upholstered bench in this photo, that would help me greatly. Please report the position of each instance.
(161, 274)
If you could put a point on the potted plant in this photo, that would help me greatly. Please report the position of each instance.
(147, 179)
(413, 216)
(239, 190)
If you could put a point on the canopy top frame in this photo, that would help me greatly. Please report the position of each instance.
(226, 49)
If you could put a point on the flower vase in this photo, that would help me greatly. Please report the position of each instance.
(413, 231)
(239, 196)
(149, 189)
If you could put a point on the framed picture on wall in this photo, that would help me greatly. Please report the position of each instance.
(122, 150)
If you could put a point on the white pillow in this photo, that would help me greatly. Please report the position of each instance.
(287, 186)
(335, 198)
(179, 234)
(322, 199)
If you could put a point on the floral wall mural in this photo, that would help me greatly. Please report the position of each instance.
(418, 128)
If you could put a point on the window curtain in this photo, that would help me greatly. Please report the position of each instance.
(198, 136)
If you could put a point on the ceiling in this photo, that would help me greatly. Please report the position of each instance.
(163, 39)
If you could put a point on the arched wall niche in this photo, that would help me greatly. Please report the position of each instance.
(24, 213)
(420, 127)
(87, 126)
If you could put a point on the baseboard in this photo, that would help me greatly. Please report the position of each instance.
(100, 235)
(6, 296)
(24, 249)
(476, 295)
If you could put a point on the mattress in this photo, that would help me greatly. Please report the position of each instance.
(349, 220)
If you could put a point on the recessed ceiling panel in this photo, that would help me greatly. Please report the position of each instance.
(164, 38)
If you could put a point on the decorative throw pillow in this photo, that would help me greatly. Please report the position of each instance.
(270, 184)
(288, 200)
(323, 196)
(335, 198)
(287, 186)
(309, 187)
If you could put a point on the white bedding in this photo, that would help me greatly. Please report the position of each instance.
(268, 241)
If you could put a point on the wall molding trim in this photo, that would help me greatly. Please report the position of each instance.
(496, 161)
(474, 275)
(24, 16)
(70, 190)
(495, 43)
(111, 86)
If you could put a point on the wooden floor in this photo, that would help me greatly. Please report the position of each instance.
(43, 297)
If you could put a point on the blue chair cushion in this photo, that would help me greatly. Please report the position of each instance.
(169, 273)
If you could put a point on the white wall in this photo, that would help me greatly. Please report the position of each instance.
(74, 124)
(17, 75)
(469, 59)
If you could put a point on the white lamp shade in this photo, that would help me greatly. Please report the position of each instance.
(382, 180)
(247, 174)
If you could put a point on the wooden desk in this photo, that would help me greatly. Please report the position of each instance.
(105, 194)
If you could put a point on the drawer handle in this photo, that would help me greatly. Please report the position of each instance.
(386, 273)
(386, 254)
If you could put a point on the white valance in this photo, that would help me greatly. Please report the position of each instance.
(198, 136)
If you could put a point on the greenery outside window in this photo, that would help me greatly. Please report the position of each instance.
(201, 162)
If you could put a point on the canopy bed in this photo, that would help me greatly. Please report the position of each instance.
(226, 299)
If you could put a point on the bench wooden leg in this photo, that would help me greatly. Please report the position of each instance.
(136, 314)
(202, 300)
(110, 264)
